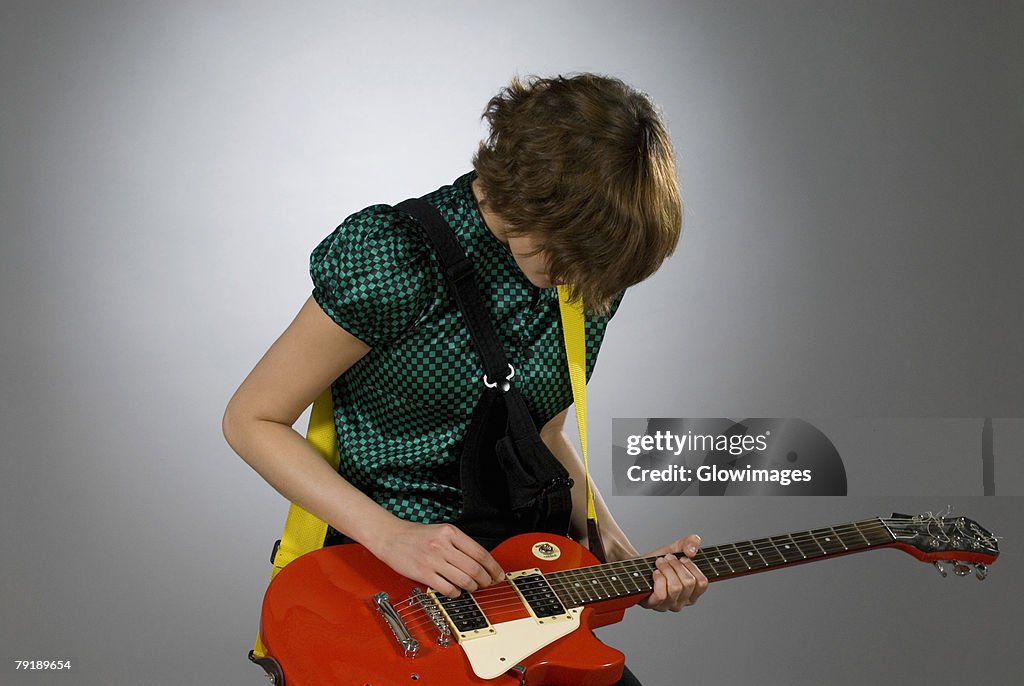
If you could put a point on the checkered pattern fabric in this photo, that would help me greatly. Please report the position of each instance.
(402, 410)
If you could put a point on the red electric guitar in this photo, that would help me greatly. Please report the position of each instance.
(340, 617)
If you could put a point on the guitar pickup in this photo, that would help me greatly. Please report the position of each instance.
(538, 596)
(464, 615)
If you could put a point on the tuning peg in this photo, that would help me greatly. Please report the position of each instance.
(939, 567)
(960, 569)
(980, 571)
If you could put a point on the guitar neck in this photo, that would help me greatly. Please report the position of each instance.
(585, 585)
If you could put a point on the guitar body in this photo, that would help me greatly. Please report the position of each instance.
(321, 624)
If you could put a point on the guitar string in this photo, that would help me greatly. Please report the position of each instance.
(492, 606)
(750, 547)
(572, 592)
(490, 601)
(757, 545)
(493, 599)
(505, 590)
(492, 609)
(418, 618)
(870, 527)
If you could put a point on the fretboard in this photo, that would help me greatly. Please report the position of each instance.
(576, 587)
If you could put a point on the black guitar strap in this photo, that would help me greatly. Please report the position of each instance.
(510, 481)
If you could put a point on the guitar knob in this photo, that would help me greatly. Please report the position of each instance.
(960, 569)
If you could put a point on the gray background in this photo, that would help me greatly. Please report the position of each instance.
(852, 248)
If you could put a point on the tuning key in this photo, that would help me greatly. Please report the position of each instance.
(980, 571)
(938, 566)
(960, 569)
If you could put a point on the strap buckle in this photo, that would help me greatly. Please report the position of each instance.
(503, 385)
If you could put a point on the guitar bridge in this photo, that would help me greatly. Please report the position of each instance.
(444, 633)
(409, 645)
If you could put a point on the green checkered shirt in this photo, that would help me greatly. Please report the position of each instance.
(401, 411)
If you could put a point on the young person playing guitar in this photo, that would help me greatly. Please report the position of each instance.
(575, 184)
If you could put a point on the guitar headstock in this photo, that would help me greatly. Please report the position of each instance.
(941, 538)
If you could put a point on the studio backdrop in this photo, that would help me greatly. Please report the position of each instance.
(851, 258)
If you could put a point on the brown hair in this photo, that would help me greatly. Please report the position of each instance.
(584, 164)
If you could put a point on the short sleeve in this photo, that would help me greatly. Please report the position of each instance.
(373, 275)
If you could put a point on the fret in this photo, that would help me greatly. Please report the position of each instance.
(768, 552)
(876, 533)
(705, 565)
(810, 534)
(787, 547)
(807, 544)
(860, 533)
(580, 588)
(575, 598)
(597, 583)
(735, 557)
(640, 577)
(838, 537)
(568, 584)
(615, 576)
(591, 587)
(828, 541)
(717, 558)
(708, 556)
(608, 579)
(751, 555)
(564, 588)
(723, 557)
(851, 537)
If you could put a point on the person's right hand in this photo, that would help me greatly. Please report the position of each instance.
(438, 555)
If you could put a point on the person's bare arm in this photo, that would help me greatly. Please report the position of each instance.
(616, 542)
(311, 353)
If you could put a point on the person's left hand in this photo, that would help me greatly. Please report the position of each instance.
(677, 582)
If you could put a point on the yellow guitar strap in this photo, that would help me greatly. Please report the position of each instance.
(576, 351)
(304, 532)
